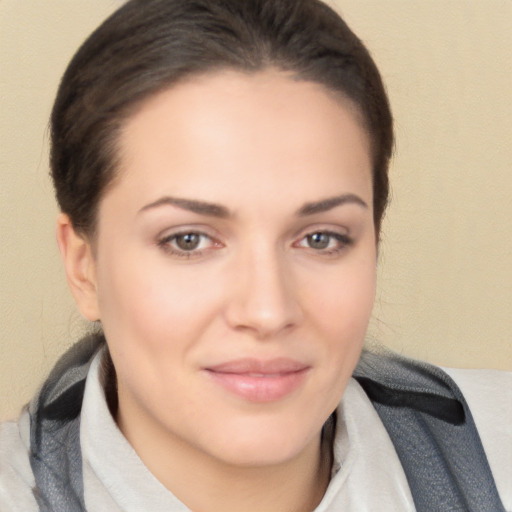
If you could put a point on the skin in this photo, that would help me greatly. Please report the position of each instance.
(269, 152)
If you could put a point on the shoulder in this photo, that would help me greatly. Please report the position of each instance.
(489, 397)
(16, 477)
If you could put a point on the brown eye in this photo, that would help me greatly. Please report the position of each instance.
(319, 241)
(188, 241)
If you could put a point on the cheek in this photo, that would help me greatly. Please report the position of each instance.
(339, 310)
(152, 319)
(345, 301)
(342, 310)
(145, 302)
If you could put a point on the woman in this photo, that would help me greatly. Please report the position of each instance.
(221, 168)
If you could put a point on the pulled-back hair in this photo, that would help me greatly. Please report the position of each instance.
(149, 45)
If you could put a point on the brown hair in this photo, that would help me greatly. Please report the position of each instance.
(148, 45)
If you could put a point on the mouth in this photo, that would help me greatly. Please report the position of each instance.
(259, 381)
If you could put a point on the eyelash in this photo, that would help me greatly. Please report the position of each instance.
(342, 242)
(165, 243)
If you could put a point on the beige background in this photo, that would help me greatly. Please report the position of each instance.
(445, 292)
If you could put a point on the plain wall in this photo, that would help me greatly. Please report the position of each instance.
(445, 283)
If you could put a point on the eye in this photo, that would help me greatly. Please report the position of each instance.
(188, 241)
(325, 242)
(319, 240)
(188, 244)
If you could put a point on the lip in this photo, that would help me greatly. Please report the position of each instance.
(259, 381)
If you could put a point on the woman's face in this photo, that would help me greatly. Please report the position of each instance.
(235, 265)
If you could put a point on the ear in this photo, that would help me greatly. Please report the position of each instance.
(80, 266)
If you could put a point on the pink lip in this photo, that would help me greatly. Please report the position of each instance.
(259, 381)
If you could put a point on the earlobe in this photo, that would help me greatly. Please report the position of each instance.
(80, 267)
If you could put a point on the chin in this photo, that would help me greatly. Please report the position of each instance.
(252, 455)
(264, 443)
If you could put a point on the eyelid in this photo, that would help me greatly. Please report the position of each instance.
(183, 229)
(342, 234)
(322, 228)
(163, 241)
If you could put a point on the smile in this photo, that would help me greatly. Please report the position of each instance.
(259, 381)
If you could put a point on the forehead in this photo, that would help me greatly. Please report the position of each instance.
(244, 132)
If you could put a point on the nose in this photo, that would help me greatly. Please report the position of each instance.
(264, 300)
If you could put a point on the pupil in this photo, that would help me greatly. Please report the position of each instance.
(318, 240)
(188, 242)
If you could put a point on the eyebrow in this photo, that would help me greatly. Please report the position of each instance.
(217, 210)
(325, 205)
(192, 205)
